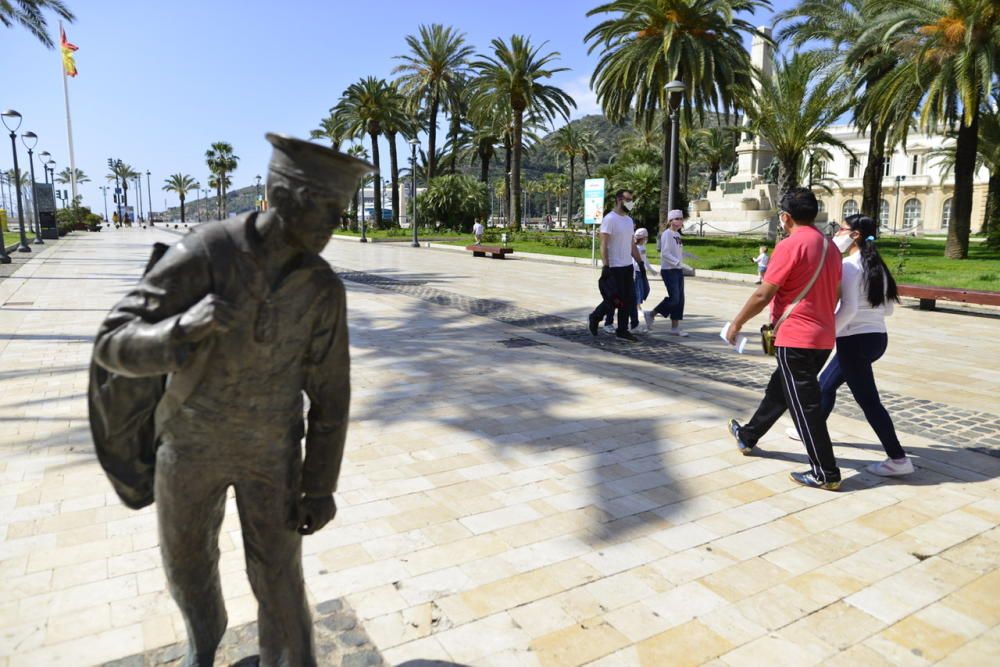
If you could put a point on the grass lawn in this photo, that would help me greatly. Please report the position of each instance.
(10, 238)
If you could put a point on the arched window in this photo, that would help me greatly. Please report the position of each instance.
(883, 213)
(850, 208)
(911, 212)
(822, 206)
(946, 213)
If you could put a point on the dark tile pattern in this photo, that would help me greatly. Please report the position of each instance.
(978, 431)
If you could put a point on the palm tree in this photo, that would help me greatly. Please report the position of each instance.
(66, 176)
(792, 111)
(360, 152)
(396, 122)
(124, 173)
(181, 184)
(717, 147)
(330, 130)
(947, 53)
(221, 162)
(838, 27)
(567, 142)
(458, 117)
(29, 14)
(368, 107)
(515, 72)
(436, 61)
(588, 149)
(649, 43)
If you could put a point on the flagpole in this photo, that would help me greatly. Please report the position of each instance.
(69, 125)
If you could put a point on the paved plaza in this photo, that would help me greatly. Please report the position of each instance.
(517, 493)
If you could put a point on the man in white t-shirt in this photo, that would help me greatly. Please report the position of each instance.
(617, 252)
(477, 231)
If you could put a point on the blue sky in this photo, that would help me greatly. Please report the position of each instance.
(159, 82)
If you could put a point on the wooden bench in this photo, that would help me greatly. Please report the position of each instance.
(929, 295)
(495, 251)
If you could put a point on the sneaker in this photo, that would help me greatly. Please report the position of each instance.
(638, 328)
(891, 467)
(679, 332)
(649, 316)
(626, 335)
(609, 328)
(592, 325)
(807, 478)
(793, 433)
(734, 430)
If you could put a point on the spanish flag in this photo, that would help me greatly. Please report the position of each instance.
(69, 63)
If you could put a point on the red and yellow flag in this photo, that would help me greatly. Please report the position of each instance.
(69, 63)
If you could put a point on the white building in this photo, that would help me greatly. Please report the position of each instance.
(924, 200)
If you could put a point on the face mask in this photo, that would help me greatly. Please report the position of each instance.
(628, 205)
(843, 242)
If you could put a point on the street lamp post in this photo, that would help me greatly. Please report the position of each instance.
(256, 202)
(138, 192)
(104, 189)
(113, 166)
(675, 90)
(361, 212)
(30, 140)
(45, 157)
(413, 189)
(51, 168)
(149, 198)
(10, 116)
(895, 214)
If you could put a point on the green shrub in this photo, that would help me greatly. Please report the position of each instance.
(455, 202)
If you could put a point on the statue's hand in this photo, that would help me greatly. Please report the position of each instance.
(312, 513)
(208, 316)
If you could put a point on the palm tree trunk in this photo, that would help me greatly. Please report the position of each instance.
(991, 224)
(376, 184)
(508, 159)
(966, 146)
(182, 207)
(569, 203)
(871, 182)
(586, 165)
(713, 182)
(665, 170)
(515, 172)
(787, 176)
(456, 126)
(484, 166)
(432, 138)
(394, 176)
(222, 185)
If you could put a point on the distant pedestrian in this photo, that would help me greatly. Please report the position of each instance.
(478, 230)
(801, 286)
(672, 256)
(867, 292)
(618, 249)
(761, 261)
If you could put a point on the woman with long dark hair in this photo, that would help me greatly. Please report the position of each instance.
(867, 294)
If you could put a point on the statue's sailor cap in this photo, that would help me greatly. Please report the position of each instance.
(321, 168)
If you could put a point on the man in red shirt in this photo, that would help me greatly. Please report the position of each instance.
(804, 339)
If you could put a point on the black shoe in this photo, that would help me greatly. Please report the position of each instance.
(807, 478)
(734, 430)
(626, 335)
(592, 324)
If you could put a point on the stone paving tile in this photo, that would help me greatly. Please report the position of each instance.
(511, 517)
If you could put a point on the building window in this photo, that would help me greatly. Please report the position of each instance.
(850, 208)
(821, 205)
(911, 213)
(886, 164)
(914, 165)
(883, 213)
(852, 169)
(946, 213)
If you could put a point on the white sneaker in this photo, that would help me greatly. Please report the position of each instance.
(679, 332)
(891, 467)
(793, 433)
(639, 328)
(609, 328)
(648, 315)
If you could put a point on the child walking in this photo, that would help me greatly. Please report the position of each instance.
(761, 261)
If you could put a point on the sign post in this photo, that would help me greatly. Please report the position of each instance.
(593, 211)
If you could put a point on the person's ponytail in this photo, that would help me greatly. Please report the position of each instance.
(879, 283)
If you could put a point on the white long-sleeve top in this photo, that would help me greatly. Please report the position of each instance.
(641, 247)
(671, 249)
(855, 315)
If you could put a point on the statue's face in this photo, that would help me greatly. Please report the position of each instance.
(309, 226)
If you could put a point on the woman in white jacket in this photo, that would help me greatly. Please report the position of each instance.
(867, 294)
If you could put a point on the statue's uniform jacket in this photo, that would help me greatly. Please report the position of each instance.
(232, 415)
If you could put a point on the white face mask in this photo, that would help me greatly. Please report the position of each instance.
(628, 205)
(843, 242)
